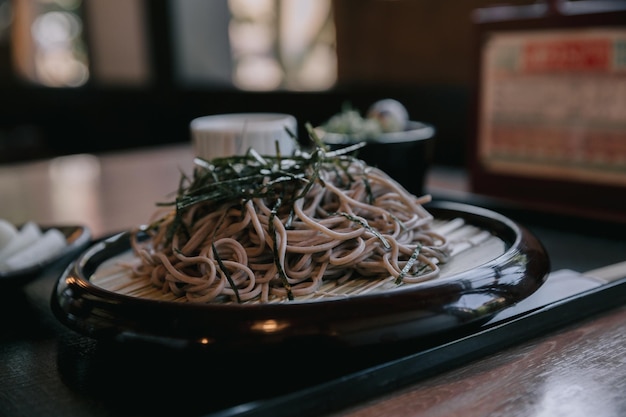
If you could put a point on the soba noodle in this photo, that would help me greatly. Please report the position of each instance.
(266, 228)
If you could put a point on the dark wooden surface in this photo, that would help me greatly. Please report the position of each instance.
(48, 370)
(576, 371)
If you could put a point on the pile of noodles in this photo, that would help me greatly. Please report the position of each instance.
(266, 229)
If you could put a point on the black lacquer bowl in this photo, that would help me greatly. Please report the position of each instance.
(462, 298)
(405, 156)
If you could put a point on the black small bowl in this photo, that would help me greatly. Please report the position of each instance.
(406, 156)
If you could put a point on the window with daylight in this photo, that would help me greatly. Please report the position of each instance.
(250, 45)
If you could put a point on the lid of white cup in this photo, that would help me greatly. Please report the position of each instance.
(235, 122)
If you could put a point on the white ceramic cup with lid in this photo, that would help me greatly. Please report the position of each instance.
(224, 135)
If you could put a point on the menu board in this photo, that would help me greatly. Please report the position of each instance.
(553, 104)
(549, 125)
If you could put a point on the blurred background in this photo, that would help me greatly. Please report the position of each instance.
(100, 75)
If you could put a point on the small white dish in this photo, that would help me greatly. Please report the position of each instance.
(78, 238)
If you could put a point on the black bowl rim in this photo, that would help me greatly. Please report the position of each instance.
(416, 131)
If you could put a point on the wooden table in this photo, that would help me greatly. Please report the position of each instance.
(578, 369)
